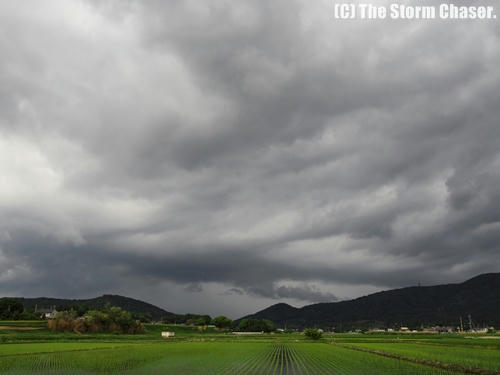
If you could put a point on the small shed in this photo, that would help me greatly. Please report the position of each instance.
(166, 334)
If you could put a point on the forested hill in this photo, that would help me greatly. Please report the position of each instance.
(126, 303)
(443, 305)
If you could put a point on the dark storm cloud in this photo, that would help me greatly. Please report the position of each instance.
(306, 293)
(245, 149)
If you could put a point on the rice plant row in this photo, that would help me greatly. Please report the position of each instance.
(320, 359)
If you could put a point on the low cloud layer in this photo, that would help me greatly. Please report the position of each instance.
(220, 156)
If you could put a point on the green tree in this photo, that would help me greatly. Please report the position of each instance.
(202, 320)
(256, 325)
(222, 322)
(10, 308)
(313, 333)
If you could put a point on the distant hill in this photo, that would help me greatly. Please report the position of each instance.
(413, 307)
(126, 303)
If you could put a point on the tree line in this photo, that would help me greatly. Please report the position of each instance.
(12, 309)
(111, 319)
(83, 318)
(224, 323)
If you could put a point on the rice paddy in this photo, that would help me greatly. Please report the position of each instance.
(217, 358)
(43, 352)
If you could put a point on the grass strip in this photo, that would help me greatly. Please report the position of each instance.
(63, 351)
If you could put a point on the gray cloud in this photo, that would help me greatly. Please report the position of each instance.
(246, 151)
(194, 288)
(306, 293)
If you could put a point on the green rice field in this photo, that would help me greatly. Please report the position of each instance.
(208, 358)
(459, 355)
(192, 352)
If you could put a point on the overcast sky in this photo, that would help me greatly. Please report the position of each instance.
(220, 156)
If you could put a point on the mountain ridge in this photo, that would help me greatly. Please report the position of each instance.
(413, 306)
(130, 304)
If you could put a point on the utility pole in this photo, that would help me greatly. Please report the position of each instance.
(461, 324)
(470, 322)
